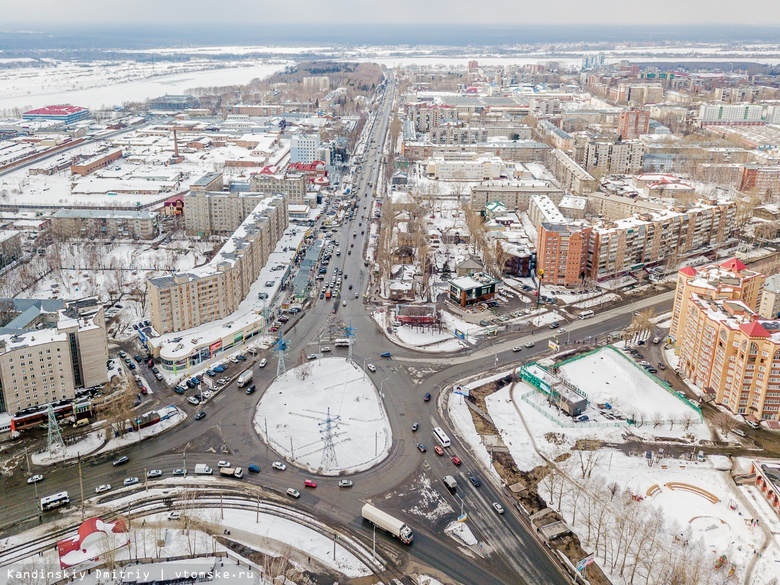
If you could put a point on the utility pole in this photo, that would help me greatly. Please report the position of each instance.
(292, 451)
(335, 538)
(221, 508)
(257, 519)
(27, 456)
(373, 549)
(146, 480)
(81, 486)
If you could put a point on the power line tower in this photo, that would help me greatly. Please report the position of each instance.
(281, 345)
(329, 450)
(349, 331)
(55, 437)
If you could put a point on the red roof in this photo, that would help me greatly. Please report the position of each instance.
(734, 265)
(688, 271)
(63, 110)
(754, 329)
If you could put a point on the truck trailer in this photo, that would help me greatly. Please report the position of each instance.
(387, 523)
(235, 472)
(245, 378)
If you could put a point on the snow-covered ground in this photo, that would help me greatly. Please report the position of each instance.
(596, 301)
(461, 418)
(293, 412)
(91, 442)
(113, 83)
(609, 376)
(174, 417)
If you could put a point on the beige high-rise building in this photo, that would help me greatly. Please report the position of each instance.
(209, 213)
(187, 299)
(43, 365)
(291, 185)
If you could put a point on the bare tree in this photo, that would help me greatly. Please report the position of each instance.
(658, 419)
(588, 460)
(724, 423)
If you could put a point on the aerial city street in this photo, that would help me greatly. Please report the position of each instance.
(421, 305)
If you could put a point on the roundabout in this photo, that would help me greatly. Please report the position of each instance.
(325, 416)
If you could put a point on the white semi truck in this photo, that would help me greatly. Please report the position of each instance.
(245, 378)
(387, 523)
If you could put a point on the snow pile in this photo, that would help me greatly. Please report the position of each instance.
(459, 531)
(292, 414)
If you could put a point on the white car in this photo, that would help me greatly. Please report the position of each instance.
(345, 483)
(516, 349)
(222, 464)
(498, 507)
(102, 488)
(293, 492)
(371, 367)
(325, 349)
(35, 479)
(174, 515)
(233, 360)
(154, 473)
(343, 303)
(131, 481)
(529, 344)
(562, 330)
(207, 394)
(278, 465)
(193, 400)
(263, 363)
(312, 356)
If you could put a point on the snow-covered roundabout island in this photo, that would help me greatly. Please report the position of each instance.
(325, 416)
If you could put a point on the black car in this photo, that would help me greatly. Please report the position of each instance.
(200, 415)
(251, 389)
(475, 481)
(427, 396)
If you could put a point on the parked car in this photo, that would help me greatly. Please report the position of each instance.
(222, 464)
(194, 400)
(174, 515)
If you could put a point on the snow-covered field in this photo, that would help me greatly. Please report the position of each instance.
(294, 411)
(113, 83)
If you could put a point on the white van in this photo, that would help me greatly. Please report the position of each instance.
(586, 314)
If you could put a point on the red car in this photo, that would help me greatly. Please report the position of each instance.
(274, 328)
(438, 450)
(310, 483)
(456, 460)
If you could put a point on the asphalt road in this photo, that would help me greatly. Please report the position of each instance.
(511, 553)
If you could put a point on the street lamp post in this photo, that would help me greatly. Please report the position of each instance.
(540, 275)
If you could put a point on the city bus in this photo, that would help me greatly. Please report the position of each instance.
(441, 436)
(341, 343)
(55, 501)
(586, 314)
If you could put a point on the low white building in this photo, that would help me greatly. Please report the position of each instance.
(475, 169)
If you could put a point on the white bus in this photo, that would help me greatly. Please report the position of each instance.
(586, 314)
(440, 436)
(55, 501)
(341, 343)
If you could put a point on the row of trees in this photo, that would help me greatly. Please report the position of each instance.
(631, 539)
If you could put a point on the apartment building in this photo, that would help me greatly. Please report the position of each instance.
(218, 212)
(543, 210)
(571, 176)
(303, 148)
(514, 195)
(637, 93)
(10, 246)
(562, 252)
(187, 299)
(106, 224)
(555, 136)
(736, 115)
(761, 179)
(426, 116)
(769, 305)
(615, 207)
(291, 185)
(508, 150)
(472, 169)
(47, 352)
(725, 347)
(633, 123)
(610, 158)
(625, 245)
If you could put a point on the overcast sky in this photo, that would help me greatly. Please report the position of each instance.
(55, 13)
